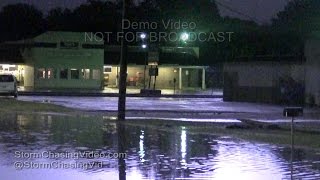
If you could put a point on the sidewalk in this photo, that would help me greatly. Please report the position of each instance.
(114, 92)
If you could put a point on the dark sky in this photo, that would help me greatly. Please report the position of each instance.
(258, 10)
(261, 10)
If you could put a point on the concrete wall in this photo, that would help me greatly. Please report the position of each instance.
(261, 74)
(258, 81)
(191, 78)
(28, 76)
(312, 53)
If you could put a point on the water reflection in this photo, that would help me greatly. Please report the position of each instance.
(183, 146)
(153, 153)
(141, 147)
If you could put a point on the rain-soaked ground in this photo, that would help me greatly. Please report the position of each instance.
(152, 153)
(178, 104)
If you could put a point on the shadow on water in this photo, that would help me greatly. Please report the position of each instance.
(122, 141)
(151, 153)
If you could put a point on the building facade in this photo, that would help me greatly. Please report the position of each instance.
(268, 82)
(63, 60)
(312, 53)
(289, 81)
(70, 60)
(169, 77)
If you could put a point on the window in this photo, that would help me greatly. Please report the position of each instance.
(51, 73)
(6, 78)
(96, 74)
(107, 69)
(75, 74)
(13, 68)
(69, 45)
(64, 74)
(85, 73)
(41, 73)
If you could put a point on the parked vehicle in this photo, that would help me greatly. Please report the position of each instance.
(8, 85)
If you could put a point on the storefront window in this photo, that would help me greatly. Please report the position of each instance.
(85, 73)
(64, 74)
(51, 73)
(75, 74)
(96, 74)
(41, 73)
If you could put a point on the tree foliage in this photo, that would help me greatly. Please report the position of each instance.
(20, 21)
(302, 16)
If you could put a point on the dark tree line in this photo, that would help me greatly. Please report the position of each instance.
(285, 35)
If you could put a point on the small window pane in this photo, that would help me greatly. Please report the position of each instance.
(41, 73)
(96, 74)
(64, 74)
(108, 69)
(75, 74)
(85, 73)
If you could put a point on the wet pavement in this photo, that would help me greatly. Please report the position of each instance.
(176, 104)
(114, 92)
(152, 152)
(210, 92)
(191, 108)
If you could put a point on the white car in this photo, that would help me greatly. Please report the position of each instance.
(8, 85)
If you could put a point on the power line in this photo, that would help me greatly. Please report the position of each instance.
(237, 11)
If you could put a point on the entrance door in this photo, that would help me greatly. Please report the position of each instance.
(106, 79)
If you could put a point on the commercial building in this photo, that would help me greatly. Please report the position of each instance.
(265, 81)
(68, 60)
(270, 79)
(312, 76)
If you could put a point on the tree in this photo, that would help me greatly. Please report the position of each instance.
(59, 19)
(96, 16)
(301, 16)
(203, 12)
(20, 21)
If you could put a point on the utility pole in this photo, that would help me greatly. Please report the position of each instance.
(123, 67)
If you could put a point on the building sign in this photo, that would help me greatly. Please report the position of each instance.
(153, 71)
(57, 54)
(69, 45)
(194, 51)
(153, 57)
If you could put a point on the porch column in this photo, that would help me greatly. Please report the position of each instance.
(203, 78)
(180, 78)
(117, 77)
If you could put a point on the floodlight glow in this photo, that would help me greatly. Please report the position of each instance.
(143, 36)
(184, 36)
(144, 46)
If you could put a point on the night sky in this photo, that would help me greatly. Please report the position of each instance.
(261, 10)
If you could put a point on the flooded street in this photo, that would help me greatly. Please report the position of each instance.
(151, 152)
(139, 103)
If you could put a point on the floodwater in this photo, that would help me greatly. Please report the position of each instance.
(137, 103)
(151, 152)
